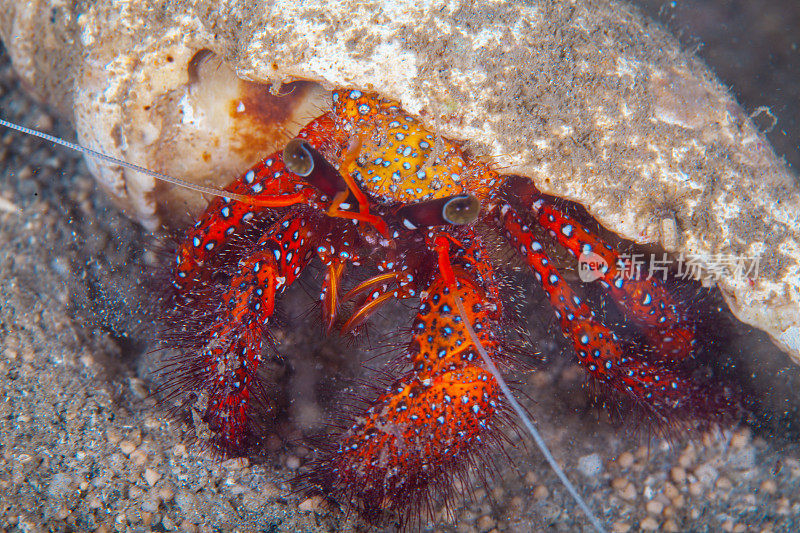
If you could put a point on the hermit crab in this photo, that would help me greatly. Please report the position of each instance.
(367, 184)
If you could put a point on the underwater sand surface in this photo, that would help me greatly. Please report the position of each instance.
(84, 446)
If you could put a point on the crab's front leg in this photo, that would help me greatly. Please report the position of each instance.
(298, 175)
(223, 219)
(436, 415)
(222, 344)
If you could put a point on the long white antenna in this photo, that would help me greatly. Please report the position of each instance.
(526, 421)
(114, 161)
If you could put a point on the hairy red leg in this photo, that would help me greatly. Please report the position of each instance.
(268, 181)
(623, 368)
(435, 416)
(223, 362)
(224, 218)
(644, 299)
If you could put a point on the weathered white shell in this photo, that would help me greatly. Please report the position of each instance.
(584, 97)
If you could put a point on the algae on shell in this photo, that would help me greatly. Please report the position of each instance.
(585, 97)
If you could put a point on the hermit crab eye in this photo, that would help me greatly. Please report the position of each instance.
(453, 210)
(298, 158)
(461, 209)
(305, 161)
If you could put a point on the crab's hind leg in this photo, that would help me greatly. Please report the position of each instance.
(652, 382)
(222, 349)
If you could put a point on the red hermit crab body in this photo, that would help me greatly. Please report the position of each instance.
(367, 185)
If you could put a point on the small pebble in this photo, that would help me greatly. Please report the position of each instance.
(94, 502)
(649, 524)
(167, 523)
(768, 486)
(670, 526)
(150, 505)
(696, 488)
(138, 387)
(678, 501)
(625, 460)
(270, 490)
(706, 474)
(166, 493)
(498, 493)
(677, 474)
(687, 457)
(60, 485)
(740, 438)
(237, 463)
(139, 457)
(127, 447)
(113, 435)
(794, 466)
(654, 507)
(620, 527)
(516, 506)
(486, 523)
(188, 502)
(540, 492)
(624, 488)
(724, 483)
(151, 476)
(590, 465)
(135, 436)
(315, 503)
(62, 513)
(619, 483)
